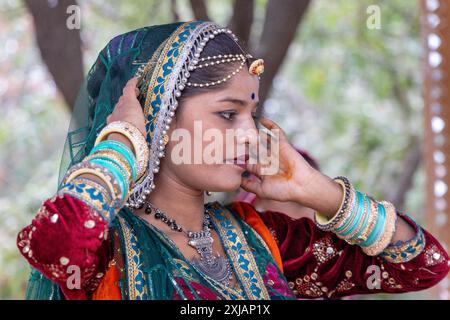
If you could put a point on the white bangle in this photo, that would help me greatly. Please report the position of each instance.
(136, 138)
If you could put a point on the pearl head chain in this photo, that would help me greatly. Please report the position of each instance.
(217, 60)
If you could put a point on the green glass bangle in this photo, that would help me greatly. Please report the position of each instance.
(366, 220)
(351, 218)
(115, 171)
(358, 215)
(354, 220)
(378, 229)
(120, 148)
(117, 146)
(123, 170)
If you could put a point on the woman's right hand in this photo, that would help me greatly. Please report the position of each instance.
(128, 107)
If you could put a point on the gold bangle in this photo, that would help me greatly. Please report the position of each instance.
(388, 231)
(98, 186)
(98, 171)
(136, 138)
(322, 219)
(114, 155)
(125, 174)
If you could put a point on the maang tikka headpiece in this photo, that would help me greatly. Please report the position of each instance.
(180, 54)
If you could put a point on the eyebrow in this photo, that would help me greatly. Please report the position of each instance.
(236, 101)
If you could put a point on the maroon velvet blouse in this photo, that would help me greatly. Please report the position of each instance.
(70, 231)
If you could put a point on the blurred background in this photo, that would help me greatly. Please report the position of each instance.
(361, 85)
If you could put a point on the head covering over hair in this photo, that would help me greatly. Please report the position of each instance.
(161, 56)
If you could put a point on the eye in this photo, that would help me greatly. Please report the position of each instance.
(228, 115)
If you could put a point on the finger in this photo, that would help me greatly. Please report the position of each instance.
(130, 86)
(251, 186)
(136, 91)
(133, 81)
(254, 169)
(271, 125)
(269, 144)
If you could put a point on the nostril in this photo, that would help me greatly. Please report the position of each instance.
(242, 139)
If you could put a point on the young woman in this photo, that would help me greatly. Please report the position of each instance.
(129, 219)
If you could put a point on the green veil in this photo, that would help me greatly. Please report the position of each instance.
(160, 56)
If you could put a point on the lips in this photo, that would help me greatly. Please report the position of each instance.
(240, 161)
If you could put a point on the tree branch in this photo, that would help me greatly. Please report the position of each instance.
(60, 47)
(404, 182)
(413, 155)
(280, 26)
(174, 10)
(200, 10)
(242, 19)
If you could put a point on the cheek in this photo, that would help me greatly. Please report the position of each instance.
(216, 178)
(200, 175)
(222, 178)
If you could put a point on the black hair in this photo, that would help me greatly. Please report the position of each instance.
(221, 44)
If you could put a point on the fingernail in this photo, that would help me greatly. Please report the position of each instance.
(268, 132)
(245, 174)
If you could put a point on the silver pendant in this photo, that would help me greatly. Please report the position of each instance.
(216, 267)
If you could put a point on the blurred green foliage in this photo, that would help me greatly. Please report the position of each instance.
(335, 96)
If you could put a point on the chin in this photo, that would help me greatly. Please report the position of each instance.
(228, 178)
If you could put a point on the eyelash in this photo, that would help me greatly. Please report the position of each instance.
(231, 114)
(224, 114)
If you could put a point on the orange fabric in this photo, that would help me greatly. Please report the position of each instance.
(109, 287)
(251, 216)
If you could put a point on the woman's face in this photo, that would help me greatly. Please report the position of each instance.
(208, 134)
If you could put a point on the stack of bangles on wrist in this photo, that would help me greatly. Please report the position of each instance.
(113, 162)
(361, 220)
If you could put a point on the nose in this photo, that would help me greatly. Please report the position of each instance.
(248, 123)
(247, 131)
(246, 135)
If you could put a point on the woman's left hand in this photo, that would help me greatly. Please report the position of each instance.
(294, 179)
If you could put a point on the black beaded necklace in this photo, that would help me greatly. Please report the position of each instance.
(215, 266)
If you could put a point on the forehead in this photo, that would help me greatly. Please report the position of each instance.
(243, 85)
